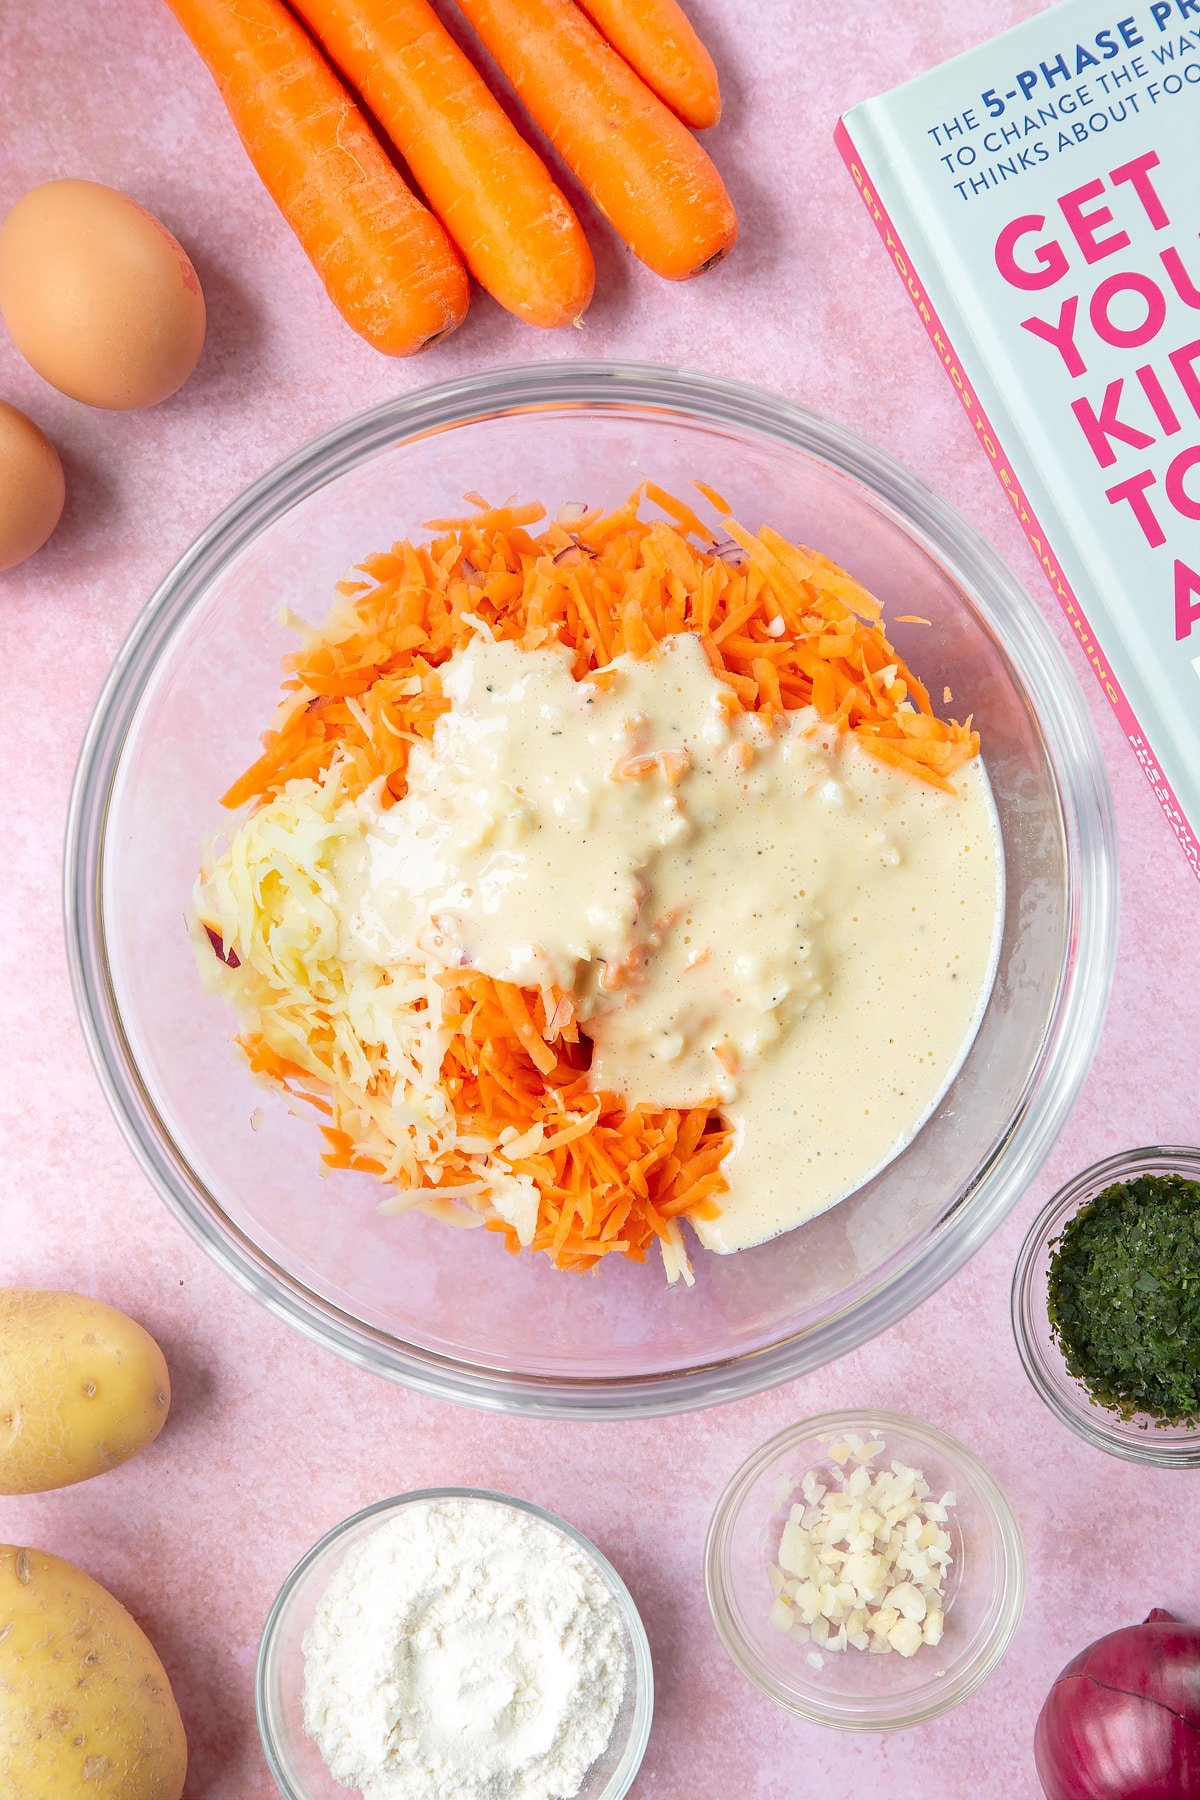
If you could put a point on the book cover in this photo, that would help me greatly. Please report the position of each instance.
(1040, 199)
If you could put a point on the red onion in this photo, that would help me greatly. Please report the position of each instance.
(230, 958)
(1122, 1721)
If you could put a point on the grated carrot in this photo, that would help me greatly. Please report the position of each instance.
(782, 628)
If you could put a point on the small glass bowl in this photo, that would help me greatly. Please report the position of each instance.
(293, 1758)
(1139, 1439)
(854, 1690)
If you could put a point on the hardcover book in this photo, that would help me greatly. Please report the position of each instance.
(1040, 199)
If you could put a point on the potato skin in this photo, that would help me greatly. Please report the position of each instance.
(86, 1709)
(81, 1389)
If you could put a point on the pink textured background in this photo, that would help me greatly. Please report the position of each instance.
(271, 1441)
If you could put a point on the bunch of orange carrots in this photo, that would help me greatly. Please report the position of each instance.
(614, 85)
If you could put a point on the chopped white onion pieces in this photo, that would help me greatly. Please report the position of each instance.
(862, 1559)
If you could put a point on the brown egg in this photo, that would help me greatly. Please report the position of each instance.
(99, 296)
(32, 489)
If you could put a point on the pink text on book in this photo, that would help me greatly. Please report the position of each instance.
(1128, 311)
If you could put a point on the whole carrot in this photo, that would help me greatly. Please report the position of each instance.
(642, 167)
(659, 42)
(386, 263)
(490, 189)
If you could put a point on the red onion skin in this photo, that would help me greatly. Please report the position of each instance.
(1122, 1721)
(230, 958)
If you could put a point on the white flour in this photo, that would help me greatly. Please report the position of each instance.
(464, 1651)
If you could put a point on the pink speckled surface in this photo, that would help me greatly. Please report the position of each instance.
(270, 1440)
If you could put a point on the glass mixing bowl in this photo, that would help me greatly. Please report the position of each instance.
(450, 1312)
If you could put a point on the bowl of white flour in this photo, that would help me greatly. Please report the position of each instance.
(459, 1644)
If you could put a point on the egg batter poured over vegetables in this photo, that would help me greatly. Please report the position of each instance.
(606, 877)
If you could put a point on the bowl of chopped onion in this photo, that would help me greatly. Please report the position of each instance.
(865, 1570)
(309, 1197)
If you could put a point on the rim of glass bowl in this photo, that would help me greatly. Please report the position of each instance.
(1171, 1447)
(852, 1714)
(641, 1672)
(1066, 731)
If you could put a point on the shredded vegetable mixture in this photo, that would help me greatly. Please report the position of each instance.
(469, 1095)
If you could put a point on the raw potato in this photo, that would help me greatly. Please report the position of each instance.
(86, 1710)
(81, 1389)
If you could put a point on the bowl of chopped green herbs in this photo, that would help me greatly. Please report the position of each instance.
(1106, 1305)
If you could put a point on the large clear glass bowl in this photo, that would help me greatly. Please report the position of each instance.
(450, 1312)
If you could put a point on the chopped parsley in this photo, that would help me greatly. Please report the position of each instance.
(1124, 1298)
